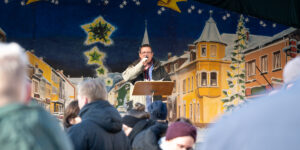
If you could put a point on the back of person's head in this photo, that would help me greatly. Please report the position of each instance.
(291, 71)
(93, 89)
(158, 110)
(182, 119)
(135, 115)
(71, 112)
(13, 75)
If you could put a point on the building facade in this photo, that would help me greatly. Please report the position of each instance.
(265, 62)
(199, 76)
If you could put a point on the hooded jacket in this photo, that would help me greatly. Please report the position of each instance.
(25, 127)
(148, 139)
(100, 129)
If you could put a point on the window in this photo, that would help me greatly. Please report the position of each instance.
(174, 89)
(264, 64)
(189, 83)
(197, 80)
(203, 50)
(276, 60)
(35, 86)
(176, 66)
(194, 112)
(198, 112)
(54, 90)
(213, 79)
(192, 83)
(184, 110)
(203, 79)
(172, 68)
(179, 111)
(251, 68)
(213, 50)
(191, 111)
(184, 86)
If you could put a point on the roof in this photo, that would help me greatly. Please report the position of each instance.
(146, 38)
(230, 38)
(210, 33)
(270, 40)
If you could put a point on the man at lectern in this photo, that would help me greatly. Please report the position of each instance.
(146, 68)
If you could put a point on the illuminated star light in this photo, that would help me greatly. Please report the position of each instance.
(5, 1)
(199, 11)
(56, 2)
(106, 2)
(224, 17)
(159, 12)
(228, 15)
(189, 10)
(121, 6)
(134, 0)
(261, 22)
(89, 1)
(247, 19)
(274, 25)
(22, 3)
(138, 3)
(124, 3)
(192, 7)
(264, 25)
(163, 9)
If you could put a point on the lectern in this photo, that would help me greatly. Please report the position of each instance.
(153, 88)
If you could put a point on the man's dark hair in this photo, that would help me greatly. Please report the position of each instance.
(144, 45)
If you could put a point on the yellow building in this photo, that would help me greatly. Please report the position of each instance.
(200, 76)
(47, 92)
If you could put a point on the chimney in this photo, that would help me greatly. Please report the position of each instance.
(191, 47)
(169, 55)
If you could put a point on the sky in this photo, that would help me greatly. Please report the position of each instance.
(53, 29)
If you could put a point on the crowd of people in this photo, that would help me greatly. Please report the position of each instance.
(91, 123)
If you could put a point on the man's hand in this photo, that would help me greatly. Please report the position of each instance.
(144, 61)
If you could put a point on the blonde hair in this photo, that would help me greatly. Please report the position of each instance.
(13, 63)
(94, 89)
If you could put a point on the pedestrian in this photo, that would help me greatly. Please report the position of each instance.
(149, 138)
(180, 135)
(24, 126)
(101, 125)
(135, 121)
(71, 116)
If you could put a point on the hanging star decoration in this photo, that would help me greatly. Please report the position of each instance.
(101, 71)
(172, 4)
(95, 56)
(109, 81)
(98, 31)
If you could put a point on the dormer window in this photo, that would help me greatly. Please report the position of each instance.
(213, 50)
(203, 51)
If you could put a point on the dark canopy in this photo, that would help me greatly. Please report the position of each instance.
(285, 12)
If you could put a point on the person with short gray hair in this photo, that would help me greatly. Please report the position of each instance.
(101, 126)
(22, 126)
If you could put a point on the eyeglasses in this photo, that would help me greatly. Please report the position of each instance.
(146, 52)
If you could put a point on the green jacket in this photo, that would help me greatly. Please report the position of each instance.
(30, 128)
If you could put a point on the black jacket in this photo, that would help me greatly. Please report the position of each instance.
(148, 139)
(100, 129)
(139, 127)
(158, 73)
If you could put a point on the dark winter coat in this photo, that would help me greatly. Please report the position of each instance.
(30, 128)
(158, 73)
(100, 129)
(148, 139)
(139, 127)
